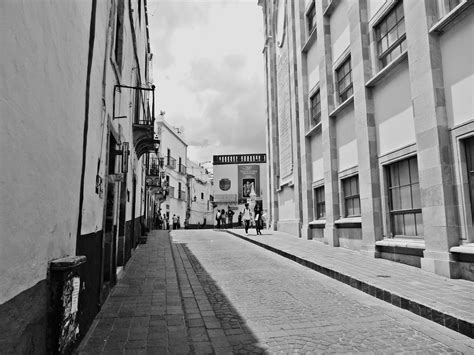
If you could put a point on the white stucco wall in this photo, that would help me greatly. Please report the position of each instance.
(340, 34)
(458, 70)
(346, 141)
(42, 90)
(178, 148)
(101, 112)
(393, 111)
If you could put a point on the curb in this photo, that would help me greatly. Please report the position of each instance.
(452, 322)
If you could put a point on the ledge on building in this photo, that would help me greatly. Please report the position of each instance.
(309, 42)
(401, 243)
(317, 224)
(342, 106)
(405, 251)
(464, 253)
(452, 17)
(387, 70)
(313, 130)
(348, 222)
(330, 8)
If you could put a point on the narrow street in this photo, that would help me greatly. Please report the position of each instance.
(211, 292)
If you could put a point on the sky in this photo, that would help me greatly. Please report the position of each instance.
(209, 73)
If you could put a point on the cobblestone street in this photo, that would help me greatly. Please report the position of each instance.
(211, 292)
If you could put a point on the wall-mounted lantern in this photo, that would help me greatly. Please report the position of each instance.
(125, 155)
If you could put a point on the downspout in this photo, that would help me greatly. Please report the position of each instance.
(86, 117)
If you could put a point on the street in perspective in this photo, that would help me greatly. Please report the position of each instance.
(214, 292)
(236, 177)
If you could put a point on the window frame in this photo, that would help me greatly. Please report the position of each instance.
(348, 90)
(469, 171)
(314, 116)
(350, 197)
(311, 18)
(117, 49)
(414, 211)
(319, 205)
(385, 57)
(444, 7)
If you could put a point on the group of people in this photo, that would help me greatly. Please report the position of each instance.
(164, 223)
(224, 218)
(246, 218)
(257, 217)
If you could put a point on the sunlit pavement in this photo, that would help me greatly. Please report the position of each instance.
(211, 292)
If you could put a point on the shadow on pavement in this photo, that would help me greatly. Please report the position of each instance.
(235, 331)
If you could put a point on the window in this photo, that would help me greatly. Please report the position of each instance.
(320, 203)
(315, 102)
(469, 148)
(179, 190)
(404, 198)
(202, 195)
(344, 80)
(350, 188)
(119, 35)
(311, 18)
(390, 35)
(445, 6)
(168, 156)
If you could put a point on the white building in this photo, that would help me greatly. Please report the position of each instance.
(200, 210)
(173, 150)
(238, 179)
(76, 119)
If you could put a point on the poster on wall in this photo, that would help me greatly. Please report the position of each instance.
(249, 179)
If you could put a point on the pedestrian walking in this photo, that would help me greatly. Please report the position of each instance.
(178, 223)
(258, 219)
(239, 219)
(246, 216)
(175, 221)
(223, 218)
(218, 218)
(230, 216)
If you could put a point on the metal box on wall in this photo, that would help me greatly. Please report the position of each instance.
(66, 285)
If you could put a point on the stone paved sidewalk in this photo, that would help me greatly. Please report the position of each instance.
(445, 301)
(158, 307)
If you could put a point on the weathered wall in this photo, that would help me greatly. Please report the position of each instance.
(43, 75)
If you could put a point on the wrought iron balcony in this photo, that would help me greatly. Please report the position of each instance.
(144, 137)
(154, 167)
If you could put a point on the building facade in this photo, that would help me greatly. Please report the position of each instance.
(77, 119)
(199, 193)
(370, 127)
(174, 154)
(240, 179)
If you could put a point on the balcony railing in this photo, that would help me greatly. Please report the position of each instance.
(182, 169)
(170, 162)
(154, 168)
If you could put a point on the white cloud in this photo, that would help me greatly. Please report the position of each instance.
(209, 73)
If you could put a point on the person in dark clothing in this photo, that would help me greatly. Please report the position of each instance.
(258, 219)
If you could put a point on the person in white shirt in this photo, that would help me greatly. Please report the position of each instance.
(246, 216)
